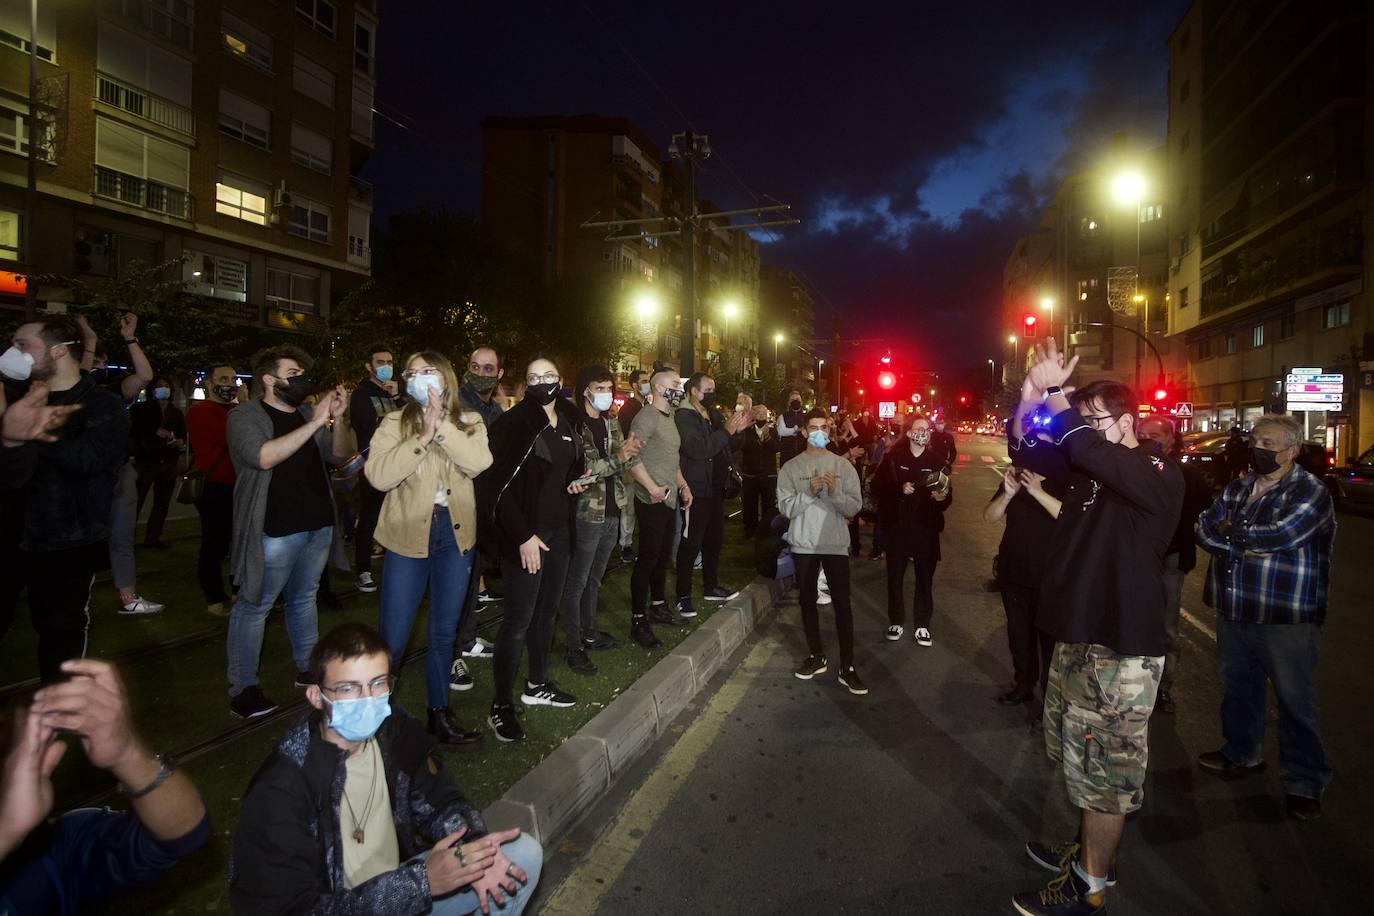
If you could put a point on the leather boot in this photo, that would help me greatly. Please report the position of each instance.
(445, 727)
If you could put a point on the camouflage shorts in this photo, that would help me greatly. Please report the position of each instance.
(1097, 713)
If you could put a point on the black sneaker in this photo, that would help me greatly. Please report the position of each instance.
(642, 633)
(1217, 763)
(849, 678)
(1302, 808)
(810, 667)
(719, 594)
(487, 596)
(502, 721)
(1065, 895)
(661, 613)
(580, 663)
(305, 679)
(458, 676)
(627, 555)
(546, 694)
(251, 703)
(602, 640)
(685, 608)
(1055, 858)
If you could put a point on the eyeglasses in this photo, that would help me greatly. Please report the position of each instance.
(348, 690)
(547, 378)
(426, 371)
(1096, 420)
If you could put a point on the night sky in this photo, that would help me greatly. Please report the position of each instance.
(915, 143)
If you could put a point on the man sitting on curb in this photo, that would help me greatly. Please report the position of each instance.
(318, 831)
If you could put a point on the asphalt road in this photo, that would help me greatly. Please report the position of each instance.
(774, 795)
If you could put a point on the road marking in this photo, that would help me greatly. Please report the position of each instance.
(1211, 633)
(581, 892)
(988, 459)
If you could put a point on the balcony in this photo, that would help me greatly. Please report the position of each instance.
(360, 190)
(142, 193)
(145, 105)
(1251, 276)
(169, 19)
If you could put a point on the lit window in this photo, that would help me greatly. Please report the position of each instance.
(10, 225)
(241, 199)
(1257, 336)
(246, 43)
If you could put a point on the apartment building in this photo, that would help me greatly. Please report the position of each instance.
(787, 326)
(225, 134)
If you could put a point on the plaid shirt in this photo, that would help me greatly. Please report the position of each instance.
(1271, 557)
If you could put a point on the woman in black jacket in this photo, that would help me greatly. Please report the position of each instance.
(912, 492)
(527, 502)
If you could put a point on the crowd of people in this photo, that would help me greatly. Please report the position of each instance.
(513, 473)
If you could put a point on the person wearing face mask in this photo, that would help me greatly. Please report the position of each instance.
(1270, 536)
(759, 470)
(207, 424)
(424, 459)
(331, 820)
(285, 528)
(912, 492)
(792, 441)
(373, 398)
(66, 501)
(527, 511)
(607, 456)
(1102, 599)
(157, 437)
(639, 396)
(942, 443)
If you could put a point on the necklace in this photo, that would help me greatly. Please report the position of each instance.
(358, 834)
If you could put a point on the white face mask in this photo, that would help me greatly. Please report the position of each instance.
(601, 400)
(16, 364)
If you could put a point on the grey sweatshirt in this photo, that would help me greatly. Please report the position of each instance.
(818, 521)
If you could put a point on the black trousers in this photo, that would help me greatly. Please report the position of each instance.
(531, 603)
(216, 511)
(836, 569)
(922, 600)
(703, 532)
(59, 584)
(758, 496)
(369, 507)
(1030, 648)
(482, 565)
(655, 523)
(161, 478)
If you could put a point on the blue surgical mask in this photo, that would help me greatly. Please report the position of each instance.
(818, 438)
(383, 373)
(644, 389)
(162, 394)
(601, 400)
(420, 386)
(359, 719)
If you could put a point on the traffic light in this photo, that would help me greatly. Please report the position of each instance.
(887, 380)
(963, 399)
(1029, 321)
(1161, 395)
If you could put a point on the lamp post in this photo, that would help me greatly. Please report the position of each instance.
(1011, 339)
(1047, 303)
(992, 368)
(1129, 188)
(777, 339)
(729, 310)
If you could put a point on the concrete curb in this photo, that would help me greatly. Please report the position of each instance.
(550, 798)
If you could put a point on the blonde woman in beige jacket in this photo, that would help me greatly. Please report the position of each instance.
(424, 457)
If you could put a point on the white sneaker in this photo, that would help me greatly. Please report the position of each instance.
(480, 649)
(922, 637)
(895, 632)
(364, 583)
(140, 606)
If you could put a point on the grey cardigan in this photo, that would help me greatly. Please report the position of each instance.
(249, 428)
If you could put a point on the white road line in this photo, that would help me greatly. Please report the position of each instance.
(1211, 633)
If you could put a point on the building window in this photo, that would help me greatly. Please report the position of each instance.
(215, 276)
(244, 120)
(10, 227)
(1183, 297)
(142, 170)
(1205, 349)
(142, 79)
(1288, 327)
(313, 81)
(309, 220)
(1230, 344)
(359, 222)
(248, 44)
(312, 150)
(14, 29)
(293, 292)
(363, 44)
(241, 199)
(1336, 315)
(169, 19)
(319, 13)
(1151, 213)
(14, 130)
(1184, 91)
(1257, 336)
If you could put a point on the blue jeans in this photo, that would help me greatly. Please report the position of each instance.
(446, 571)
(1285, 655)
(524, 851)
(291, 569)
(581, 592)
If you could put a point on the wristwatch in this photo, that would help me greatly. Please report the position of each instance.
(1052, 391)
(165, 767)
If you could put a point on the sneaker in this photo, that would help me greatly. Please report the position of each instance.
(1302, 808)
(547, 694)
(479, 649)
(720, 594)
(875, 554)
(922, 636)
(602, 640)
(627, 555)
(696, 564)
(894, 632)
(1164, 703)
(1065, 895)
(502, 721)
(140, 606)
(1055, 857)
(580, 663)
(250, 703)
(364, 583)
(811, 666)
(685, 609)
(378, 552)
(642, 633)
(458, 677)
(662, 614)
(1216, 763)
(849, 678)
(305, 679)
(487, 596)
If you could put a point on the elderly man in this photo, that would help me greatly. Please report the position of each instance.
(1270, 537)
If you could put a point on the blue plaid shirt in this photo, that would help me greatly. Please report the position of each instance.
(1271, 557)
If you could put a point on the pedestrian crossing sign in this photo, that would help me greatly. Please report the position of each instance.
(1183, 409)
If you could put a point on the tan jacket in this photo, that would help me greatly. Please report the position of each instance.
(410, 474)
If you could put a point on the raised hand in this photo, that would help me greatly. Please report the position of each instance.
(128, 325)
(433, 416)
(94, 706)
(26, 793)
(1010, 482)
(31, 419)
(1049, 368)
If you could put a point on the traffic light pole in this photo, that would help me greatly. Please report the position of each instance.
(1159, 363)
(687, 334)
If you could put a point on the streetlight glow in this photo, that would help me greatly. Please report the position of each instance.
(1047, 303)
(646, 306)
(730, 310)
(777, 338)
(1011, 339)
(1128, 187)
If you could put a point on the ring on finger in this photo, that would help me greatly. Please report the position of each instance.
(458, 854)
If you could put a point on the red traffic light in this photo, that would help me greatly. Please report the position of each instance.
(1028, 324)
(887, 380)
(963, 399)
(1161, 394)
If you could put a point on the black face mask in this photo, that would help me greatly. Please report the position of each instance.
(1264, 460)
(100, 376)
(708, 399)
(292, 391)
(760, 423)
(542, 395)
(225, 392)
(795, 405)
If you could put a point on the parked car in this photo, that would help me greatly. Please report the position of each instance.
(1207, 453)
(1352, 486)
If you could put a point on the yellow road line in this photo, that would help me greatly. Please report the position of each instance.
(602, 866)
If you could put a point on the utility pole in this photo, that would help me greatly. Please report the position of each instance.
(31, 192)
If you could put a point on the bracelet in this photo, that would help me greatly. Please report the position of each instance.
(130, 341)
(165, 769)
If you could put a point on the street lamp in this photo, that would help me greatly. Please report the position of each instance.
(646, 307)
(777, 339)
(1128, 188)
(1014, 346)
(992, 366)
